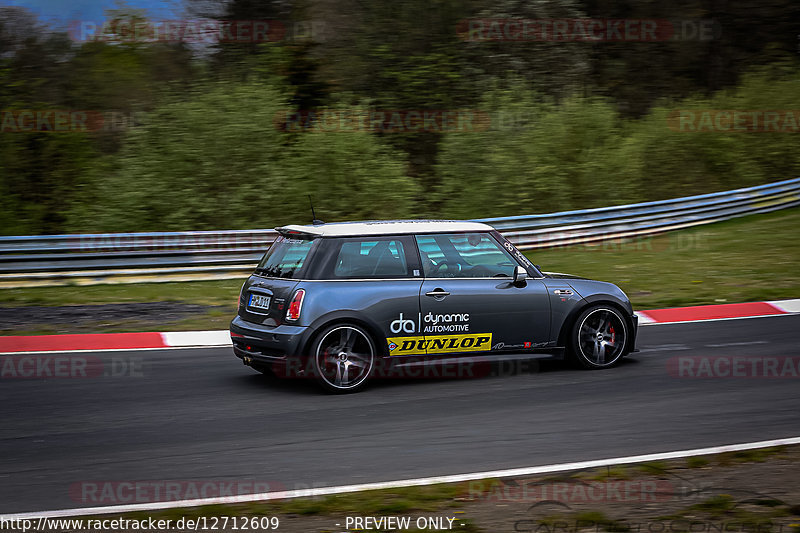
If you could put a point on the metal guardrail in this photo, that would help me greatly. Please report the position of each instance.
(232, 253)
(634, 220)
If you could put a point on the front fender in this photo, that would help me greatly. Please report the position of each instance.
(594, 293)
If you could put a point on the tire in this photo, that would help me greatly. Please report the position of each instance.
(344, 356)
(596, 330)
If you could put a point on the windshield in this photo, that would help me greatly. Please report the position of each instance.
(285, 258)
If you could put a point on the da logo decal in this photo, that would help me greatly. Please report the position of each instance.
(419, 345)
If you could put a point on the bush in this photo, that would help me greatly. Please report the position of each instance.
(216, 159)
(580, 153)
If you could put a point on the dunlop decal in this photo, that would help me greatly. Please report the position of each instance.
(419, 345)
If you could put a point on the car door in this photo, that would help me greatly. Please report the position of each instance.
(468, 302)
(375, 278)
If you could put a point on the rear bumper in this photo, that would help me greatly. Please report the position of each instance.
(255, 343)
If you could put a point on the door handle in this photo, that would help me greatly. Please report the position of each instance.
(563, 292)
(437, 293)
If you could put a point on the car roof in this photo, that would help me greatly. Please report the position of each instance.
(384, 227)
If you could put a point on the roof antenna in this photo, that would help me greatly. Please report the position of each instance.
(314, 220)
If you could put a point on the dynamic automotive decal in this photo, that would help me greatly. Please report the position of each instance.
(517, 254)
(431, 323)
(405, 325)
(419, 345)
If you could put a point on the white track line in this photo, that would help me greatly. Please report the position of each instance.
(415, 482)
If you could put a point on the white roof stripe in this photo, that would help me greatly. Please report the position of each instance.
(386, 227)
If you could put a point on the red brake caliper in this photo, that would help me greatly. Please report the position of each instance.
(611, 330)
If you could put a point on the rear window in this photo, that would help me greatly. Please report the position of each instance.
(285, 258)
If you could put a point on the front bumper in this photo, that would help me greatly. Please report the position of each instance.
(635, 333)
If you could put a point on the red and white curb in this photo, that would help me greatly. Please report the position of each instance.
(202, 339)
(678, 315)
(114, 341)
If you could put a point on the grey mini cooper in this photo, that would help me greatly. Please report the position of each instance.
(345, 301)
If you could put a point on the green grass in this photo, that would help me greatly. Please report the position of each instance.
(654, 468)
(391, 501)
(749, 456)
(747, 259)
(755, 512)
(200, 292)
(716, 506)
(696, 462)
(219, 318)
(222, 294)
(758, 455)
(606, 473)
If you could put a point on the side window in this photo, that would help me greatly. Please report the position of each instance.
(464, 255)
(371, 258)
(431, 255)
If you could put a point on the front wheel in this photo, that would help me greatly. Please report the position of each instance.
(344, 355)
(598, 338)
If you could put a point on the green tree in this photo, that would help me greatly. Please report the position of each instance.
(217, 158)
(551, 158)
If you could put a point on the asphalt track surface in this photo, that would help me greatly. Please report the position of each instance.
(198, 414)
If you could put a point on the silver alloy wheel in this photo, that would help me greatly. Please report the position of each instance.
(344, 357)
(601, 337)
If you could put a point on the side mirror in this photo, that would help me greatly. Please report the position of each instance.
(520, 275)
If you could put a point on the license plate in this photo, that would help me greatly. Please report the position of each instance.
(259, 301)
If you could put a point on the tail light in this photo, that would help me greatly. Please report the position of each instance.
(296, 305)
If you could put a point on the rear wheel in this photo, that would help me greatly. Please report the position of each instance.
(344, 355)
(598, 337)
